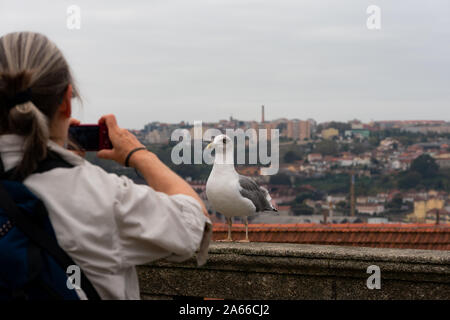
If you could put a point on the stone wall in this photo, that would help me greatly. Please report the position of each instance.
(299, 271)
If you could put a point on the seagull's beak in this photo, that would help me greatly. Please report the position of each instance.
(209, 146)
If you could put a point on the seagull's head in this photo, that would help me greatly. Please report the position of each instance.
(221, 140)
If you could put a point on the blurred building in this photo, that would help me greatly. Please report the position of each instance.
(443, 160)
(422, 207)
(299, 129)
(330, 133)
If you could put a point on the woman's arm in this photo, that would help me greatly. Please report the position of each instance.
(156, 174)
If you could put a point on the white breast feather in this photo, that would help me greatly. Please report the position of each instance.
(224, 196)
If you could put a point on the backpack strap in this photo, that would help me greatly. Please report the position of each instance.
(38, 235)
(52, 161)
(2, 168)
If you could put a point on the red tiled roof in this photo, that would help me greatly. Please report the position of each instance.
(413, 236)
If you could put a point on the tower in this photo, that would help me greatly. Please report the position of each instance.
(262, 114)
(352, 194)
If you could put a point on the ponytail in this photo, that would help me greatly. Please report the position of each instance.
(33, 125)
(34, 77)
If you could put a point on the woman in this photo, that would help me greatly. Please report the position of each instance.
(105, 223)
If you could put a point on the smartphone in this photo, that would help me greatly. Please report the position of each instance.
(90, 137)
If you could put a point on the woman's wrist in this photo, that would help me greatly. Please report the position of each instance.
(140, 157)
(131, 153)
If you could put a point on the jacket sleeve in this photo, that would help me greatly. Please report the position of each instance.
(153, 225)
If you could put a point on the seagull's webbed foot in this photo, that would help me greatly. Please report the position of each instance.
(225, 240)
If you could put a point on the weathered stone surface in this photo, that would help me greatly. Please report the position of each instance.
(294, 271)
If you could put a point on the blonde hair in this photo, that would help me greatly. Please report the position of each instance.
(31, 62)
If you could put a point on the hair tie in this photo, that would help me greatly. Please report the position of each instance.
(19, 98)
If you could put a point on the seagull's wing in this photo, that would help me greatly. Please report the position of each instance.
(256, 194)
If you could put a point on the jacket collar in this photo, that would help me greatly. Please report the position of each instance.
(12, 149)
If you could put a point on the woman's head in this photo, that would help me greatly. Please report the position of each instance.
(36, 86)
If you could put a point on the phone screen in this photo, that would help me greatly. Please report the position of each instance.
(87, 137)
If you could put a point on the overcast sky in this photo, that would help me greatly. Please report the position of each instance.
(172, 60)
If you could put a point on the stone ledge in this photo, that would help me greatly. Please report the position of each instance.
(297, 271)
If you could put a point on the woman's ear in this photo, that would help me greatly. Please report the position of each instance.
(66, 106)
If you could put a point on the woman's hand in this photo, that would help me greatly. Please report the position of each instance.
(122, 140)
(74, 122)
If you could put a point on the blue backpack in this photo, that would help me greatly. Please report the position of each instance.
(32, 265)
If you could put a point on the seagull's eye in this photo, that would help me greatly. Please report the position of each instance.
(224, 140)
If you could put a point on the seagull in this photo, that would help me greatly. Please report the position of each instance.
(230, 193)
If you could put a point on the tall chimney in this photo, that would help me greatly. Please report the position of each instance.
(262, 114)
(325, 216)
(352, 194)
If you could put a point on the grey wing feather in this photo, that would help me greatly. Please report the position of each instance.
(257, 195)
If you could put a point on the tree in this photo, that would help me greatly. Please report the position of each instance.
(326, 147)
(343, 207)
(374, 141)
(291, 156)
(410, 180)
(302, 209)
(280, 179)
(359, 148)
(374, 161)
(425, 165)
(345, 148)
(395, 146)
(307, 195)
(396, 203)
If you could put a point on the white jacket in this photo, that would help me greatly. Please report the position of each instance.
(108, 224)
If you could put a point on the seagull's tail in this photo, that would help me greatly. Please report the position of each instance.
(269, 200)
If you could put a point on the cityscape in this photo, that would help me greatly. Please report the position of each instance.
(336, 172)
(225, 158)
